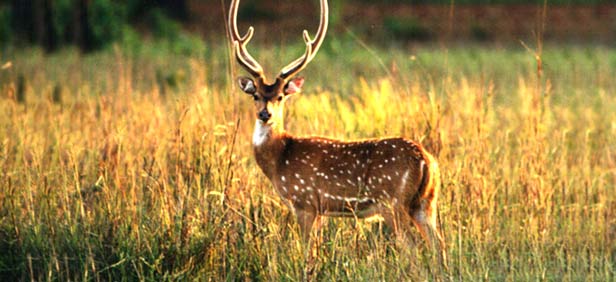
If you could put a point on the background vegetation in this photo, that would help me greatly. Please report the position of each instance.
(91, 25)
(133, 162)
(88, 24)
(128, 165)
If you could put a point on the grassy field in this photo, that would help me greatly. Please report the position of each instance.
(135, 163)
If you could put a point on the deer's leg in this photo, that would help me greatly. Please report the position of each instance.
(425, 220)
(399, 221)
(305, 220)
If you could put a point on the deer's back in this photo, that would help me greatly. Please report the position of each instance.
(333, 176)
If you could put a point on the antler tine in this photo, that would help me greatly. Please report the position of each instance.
(312, 46)
(239, 44)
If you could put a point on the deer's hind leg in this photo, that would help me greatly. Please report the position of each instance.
(424, 218)
(398, 220)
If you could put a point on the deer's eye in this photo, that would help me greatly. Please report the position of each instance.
(279, 98)
(255, 97)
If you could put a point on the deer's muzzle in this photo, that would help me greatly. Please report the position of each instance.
(264, 115)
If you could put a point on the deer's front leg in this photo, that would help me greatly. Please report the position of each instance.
(305, 220)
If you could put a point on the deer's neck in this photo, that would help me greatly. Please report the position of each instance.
(269, 142)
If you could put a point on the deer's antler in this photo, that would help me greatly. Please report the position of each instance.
(253, 67)
(312, 46)
(239, 44)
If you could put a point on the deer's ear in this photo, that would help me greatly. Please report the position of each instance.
(247, 85)
(294, 86)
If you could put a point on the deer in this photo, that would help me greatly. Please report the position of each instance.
(393, 177)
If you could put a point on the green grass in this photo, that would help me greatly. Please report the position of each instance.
(119, 180)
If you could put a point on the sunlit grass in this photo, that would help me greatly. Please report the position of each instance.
(144, 170)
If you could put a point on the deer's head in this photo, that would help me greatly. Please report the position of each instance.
(270, 98)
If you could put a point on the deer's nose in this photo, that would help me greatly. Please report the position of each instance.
(264, 115)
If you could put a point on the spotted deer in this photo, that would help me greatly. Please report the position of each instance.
(316, 176)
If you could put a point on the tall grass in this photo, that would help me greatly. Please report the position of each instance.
(143, 169)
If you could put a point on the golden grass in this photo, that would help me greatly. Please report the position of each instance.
(117, 181)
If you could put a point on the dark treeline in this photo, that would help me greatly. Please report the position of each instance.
(88, 24)
(92, 24)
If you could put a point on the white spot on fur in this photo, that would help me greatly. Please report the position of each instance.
(404, 179)
(360, 200)
(386, 194)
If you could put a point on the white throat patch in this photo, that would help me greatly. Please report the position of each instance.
(261, 133)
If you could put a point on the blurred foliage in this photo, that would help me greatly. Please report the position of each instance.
(61, 17)
(91, 25)
(406, 28)
(5, 29)
(335, 12)
(487, 2)
(94, 24)
(254, 11)
(107, 19)
(480, 33)
(162, 26)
